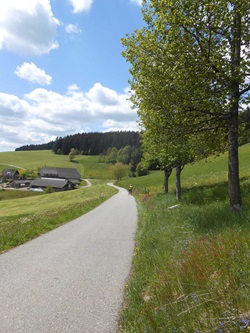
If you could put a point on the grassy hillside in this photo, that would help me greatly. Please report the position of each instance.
(88, 166)
(206, 172)
(210, 171)
(25, 215)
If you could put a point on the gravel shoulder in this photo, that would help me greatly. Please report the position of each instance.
(71, 279)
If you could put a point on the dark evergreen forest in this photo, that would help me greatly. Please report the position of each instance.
(94, 143)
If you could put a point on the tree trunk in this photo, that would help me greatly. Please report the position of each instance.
(179, 169)
(167, 173)
(233, 170)
(233, 155)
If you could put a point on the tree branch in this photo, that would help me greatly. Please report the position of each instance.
(242, 92)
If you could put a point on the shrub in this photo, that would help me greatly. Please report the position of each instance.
(49, 189)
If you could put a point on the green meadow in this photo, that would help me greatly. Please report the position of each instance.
(191, 264)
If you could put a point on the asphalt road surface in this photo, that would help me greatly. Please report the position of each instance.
(71, 279)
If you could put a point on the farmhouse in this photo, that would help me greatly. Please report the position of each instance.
(10, 174)
(57, 184)
(69, 174)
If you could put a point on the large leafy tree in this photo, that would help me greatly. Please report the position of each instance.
(190, 70)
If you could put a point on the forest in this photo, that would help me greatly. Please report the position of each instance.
(94, 143)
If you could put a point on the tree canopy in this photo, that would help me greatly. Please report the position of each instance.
(190, 69)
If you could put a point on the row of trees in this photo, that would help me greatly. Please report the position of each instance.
(190, 69)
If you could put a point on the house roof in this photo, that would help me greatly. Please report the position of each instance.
(65, 173)
(9, 172)
(54, 182)
(23, 181)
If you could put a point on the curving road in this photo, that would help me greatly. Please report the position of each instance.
(71, 279)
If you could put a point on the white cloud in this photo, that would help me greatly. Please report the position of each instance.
(27, 27)
(111, 125)
(72, 29)
(43, 114)
(30, 72)
(137, 2)
(81, 5)
(102, 95)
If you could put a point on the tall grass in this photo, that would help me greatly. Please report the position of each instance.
(191, 269)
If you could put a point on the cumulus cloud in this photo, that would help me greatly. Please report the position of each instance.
(27, 27)
(80, 6)
(102, 95)
(30, 72)
(43, 114)
(72, 29)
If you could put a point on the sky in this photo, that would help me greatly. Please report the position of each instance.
(61, 69)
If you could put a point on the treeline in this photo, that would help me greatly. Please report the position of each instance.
(43, 146)
(94, 143)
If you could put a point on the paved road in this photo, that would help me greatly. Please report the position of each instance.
(71, 279)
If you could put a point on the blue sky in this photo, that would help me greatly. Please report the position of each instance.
(61, 68)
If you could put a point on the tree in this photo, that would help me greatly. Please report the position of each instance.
(124, 154)
(72, 154)
(111, 156)
(170, 152)
(190, 66)
(119, 170)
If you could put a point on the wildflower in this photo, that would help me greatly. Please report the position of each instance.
(245, 324)
(194, 297)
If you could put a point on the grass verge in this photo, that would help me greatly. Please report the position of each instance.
(191, 267)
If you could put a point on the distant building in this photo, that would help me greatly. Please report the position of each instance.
(70, 174)
(20, 183)
(57, 184)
